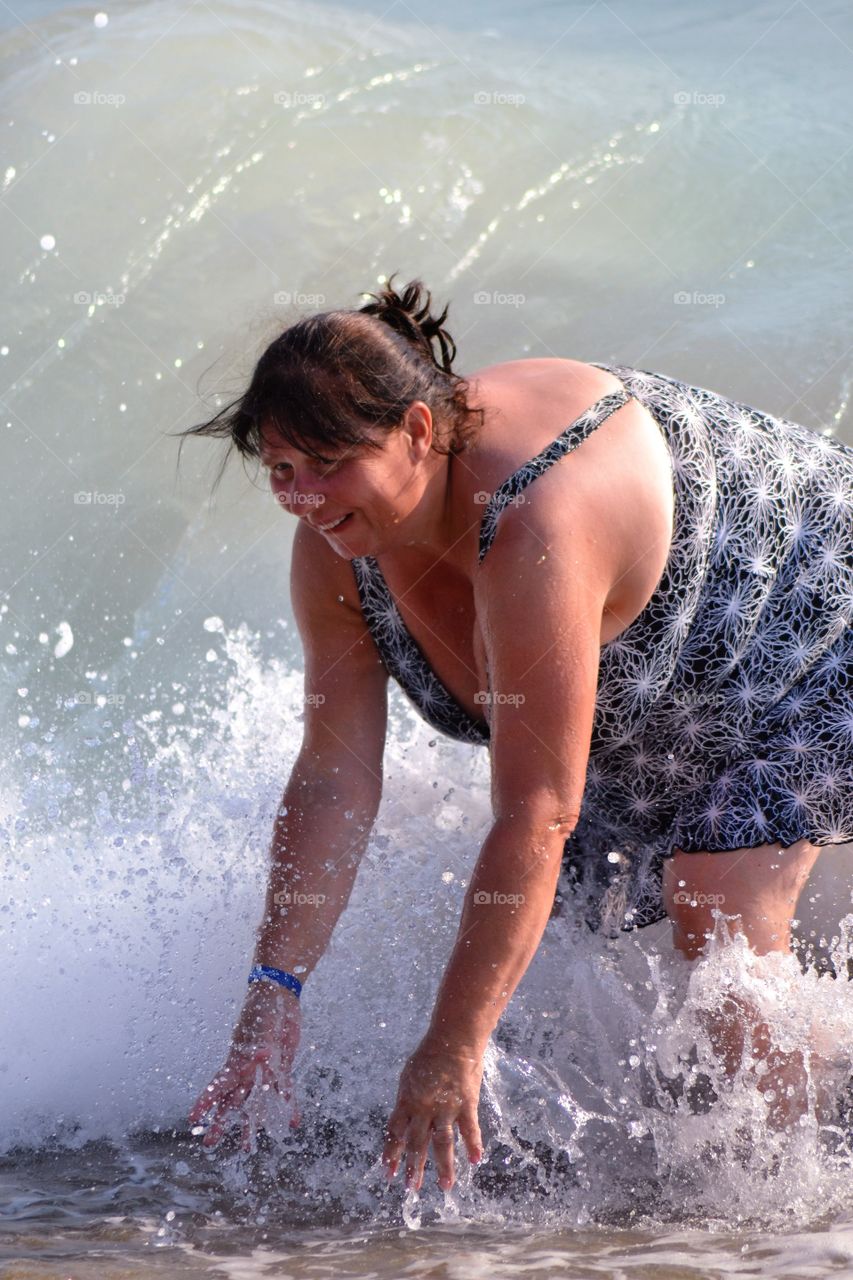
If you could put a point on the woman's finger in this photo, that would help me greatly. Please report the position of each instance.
(469, 1128)
(395, 1141)
(214, 1130)
(220, 1086)
(284, 1089)
(203, 1103)
(227, 1102)
(417, 1147)
(444, 1151)
(289, 1096)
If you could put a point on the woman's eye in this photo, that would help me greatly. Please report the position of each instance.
(319, 468)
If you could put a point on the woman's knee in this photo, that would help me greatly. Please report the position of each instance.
(756, 890)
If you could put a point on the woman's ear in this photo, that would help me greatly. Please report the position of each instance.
(418, 426)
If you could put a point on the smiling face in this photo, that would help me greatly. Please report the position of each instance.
(362, 499)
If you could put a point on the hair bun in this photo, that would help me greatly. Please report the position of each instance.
(408, 313)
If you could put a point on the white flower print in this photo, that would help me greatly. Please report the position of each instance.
(724, 712)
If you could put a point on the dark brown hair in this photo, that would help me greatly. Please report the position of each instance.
(329, 378)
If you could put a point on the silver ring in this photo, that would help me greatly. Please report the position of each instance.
(449, 1128)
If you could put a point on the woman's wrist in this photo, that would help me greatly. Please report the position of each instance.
(266, 991)
(453, 1044)
(280, 977)
(261, 1000)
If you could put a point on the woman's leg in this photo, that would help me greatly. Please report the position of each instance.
(758, 890)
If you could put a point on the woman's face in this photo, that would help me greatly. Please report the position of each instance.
(359, 498)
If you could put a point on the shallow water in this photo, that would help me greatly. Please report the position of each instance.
(152, 1210)
(636, 182)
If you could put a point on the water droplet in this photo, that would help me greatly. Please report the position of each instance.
(65, 643)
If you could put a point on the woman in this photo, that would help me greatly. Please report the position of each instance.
(650, 632)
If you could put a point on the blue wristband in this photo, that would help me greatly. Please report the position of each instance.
(261, 971)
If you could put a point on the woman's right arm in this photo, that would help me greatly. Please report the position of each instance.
(322, 826)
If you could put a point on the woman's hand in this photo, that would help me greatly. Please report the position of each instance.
(438, 1089)
(266, 1037)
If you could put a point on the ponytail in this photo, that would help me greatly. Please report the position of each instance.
(408, 313)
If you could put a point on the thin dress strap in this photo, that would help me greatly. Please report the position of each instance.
(567, 440)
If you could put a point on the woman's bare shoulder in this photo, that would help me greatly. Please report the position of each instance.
(531, 369)
(621, 478)
(527, 404)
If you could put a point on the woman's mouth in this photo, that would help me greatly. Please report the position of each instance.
(333, 525)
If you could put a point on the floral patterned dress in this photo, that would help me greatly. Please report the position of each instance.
(724, 712)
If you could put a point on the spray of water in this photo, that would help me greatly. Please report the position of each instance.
(602, 1100)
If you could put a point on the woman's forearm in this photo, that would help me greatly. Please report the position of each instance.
(507, 906)
(319, 836)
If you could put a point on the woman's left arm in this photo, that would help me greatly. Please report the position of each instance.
(541, 612)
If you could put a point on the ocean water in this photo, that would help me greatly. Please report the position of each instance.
(661, 185)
